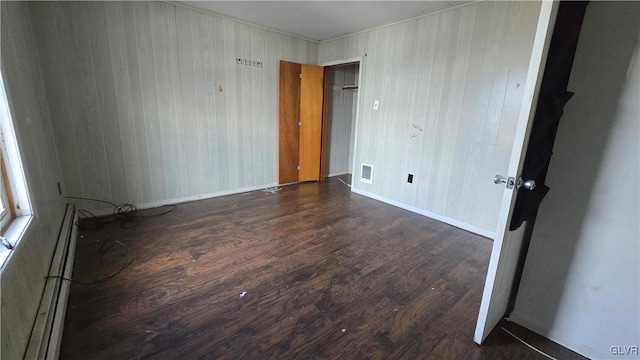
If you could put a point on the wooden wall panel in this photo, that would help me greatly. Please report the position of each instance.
(449, 86)
(22, 276)
(123, 96)
(148, 103)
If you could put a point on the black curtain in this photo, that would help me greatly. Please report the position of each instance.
(552, 98)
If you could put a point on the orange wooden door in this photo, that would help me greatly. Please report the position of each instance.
(288, 129)
(311, 97)
(300, 122)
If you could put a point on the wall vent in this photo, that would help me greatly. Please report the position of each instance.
(366, 175)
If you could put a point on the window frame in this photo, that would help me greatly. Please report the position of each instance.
(16, 214)
(6, 201)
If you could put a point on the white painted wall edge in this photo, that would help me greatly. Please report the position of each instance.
(357, 59)
(338, 173)
(453, 222)
(184, 199)
(559, 338)
(55, 339)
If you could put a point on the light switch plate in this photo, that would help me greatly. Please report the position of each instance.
(376, 104)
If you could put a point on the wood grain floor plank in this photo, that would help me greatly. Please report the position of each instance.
(311, 260)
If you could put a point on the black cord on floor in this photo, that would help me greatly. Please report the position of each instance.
(104, 248)
(127, 213)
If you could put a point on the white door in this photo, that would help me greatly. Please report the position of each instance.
(507, 244)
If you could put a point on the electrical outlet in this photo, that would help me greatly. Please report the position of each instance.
(410, 179)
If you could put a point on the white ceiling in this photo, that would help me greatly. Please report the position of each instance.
(321, 20)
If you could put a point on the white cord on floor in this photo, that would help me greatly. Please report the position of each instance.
(272, 190)
(530, 346)
(342, 181)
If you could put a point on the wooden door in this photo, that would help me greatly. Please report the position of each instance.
(311, 97)
(300, 125)
(288, 129)
(507, 244)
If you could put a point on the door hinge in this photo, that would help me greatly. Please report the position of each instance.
(299, 123)
(301, 76)
(298, 167)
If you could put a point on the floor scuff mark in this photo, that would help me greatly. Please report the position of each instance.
(272, 190)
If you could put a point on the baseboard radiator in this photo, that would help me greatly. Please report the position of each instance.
(46, 335)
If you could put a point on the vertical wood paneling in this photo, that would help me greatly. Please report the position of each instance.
(200, 40)
(186, 60)
(137, 122)
(53, 73)
(74, 88)
(148, 102)
(163, 37)
(449, 86)
(245, 137)
(149, 97)
(232, 116)
(220, 106)
(88, 111)
(22, 276)
(211, 115)
(123, 98)
(108, 109)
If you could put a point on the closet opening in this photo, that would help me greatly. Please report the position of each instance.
(341, 108)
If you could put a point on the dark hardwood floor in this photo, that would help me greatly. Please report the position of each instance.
(327, 274)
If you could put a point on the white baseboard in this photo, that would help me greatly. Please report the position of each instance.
(184, 199)
(429, 214)
(339, 173)
(46, 333)
(55, 341)
(559, 338)
(453, 222)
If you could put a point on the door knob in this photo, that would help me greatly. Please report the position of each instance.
(529, 184)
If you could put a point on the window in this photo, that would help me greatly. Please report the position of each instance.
(6, 213)
(15, 206)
